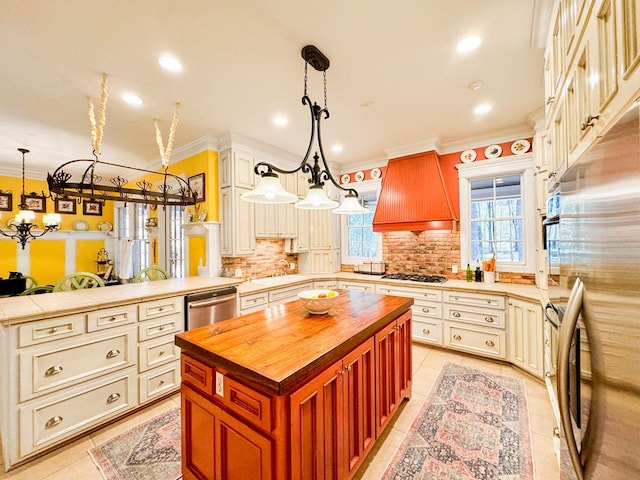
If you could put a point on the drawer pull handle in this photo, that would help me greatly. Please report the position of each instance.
(161, 327)
(489, 319)
(53, 329)
(455, 314)
(160, 308)
(53, 421)
(112, 319)
(161, 382)
(113, 353)
(161, 352)
(114, 397)
(425, 310)
(56, 369)
(425, 331)
(489, 301)
(457, 337)
(455, 298)
(489, 343)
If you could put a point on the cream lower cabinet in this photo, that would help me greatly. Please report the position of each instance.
(352, 285)
(476, 323)
(65, 375)
(526, 349)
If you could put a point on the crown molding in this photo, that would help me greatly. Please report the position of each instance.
(263, 151)
(187, 150)
(412, 148)
(498, 136)
(540, 21)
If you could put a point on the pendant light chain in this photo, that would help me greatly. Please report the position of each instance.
(22, 200)
(305, 78)
(324, 76)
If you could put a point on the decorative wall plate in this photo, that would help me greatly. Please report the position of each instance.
(345, 178)
(359, 176)
(375, 173)
(520, 146)
(468, 156)
(493, 151)
(105, 227)
(80, 225)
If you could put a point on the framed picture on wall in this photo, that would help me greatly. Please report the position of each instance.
(65, 205)
(6, 201)
(196, 183)
(37, 203)
(90, 207)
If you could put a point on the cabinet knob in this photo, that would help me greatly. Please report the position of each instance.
(54, 370)
(550, 100)
(160, 308)
(426, 331)
(161, 382)
(114, 397)
(425, 310)
(113, 353)
(489, 319)
(161, 352)
(589, 121)
(551, 175)
(53, 329)
(53, 421)
(112, 319)
(489, 343)
(161, 327)
(457, 337)
(348, 368)
(455, 314)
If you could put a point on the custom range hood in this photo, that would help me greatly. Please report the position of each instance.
(414, 196)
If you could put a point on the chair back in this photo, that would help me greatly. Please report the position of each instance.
(78, 281)
(38, 289)
(152, 273)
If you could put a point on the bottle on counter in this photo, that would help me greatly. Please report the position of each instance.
(469, 273)
(478, 274)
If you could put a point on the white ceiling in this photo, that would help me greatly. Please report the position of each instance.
(242, 66)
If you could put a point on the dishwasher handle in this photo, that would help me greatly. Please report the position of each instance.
(214, 301)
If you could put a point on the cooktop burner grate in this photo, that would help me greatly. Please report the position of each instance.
(416, 277)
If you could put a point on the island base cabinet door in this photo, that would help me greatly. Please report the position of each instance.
(216, 446)
(317, 426)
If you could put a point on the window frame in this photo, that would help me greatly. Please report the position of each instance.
(512, 165)
(368, 186)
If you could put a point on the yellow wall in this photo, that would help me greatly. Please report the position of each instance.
(47, 260)
(87, 254)
(7, 257)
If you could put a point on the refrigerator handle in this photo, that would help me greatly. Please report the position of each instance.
(569, 322)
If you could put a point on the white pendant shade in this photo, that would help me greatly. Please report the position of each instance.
(349, 205)
(269, 190)
(25, 216)
(51, 219)
(316, 199)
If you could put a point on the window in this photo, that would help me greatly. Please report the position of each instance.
(130, 224)
(498, 213)
(496, 219)
(175, 240)
(359, 242)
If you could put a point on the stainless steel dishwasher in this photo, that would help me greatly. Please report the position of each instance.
(206, 308)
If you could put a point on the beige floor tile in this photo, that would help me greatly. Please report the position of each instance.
(408, 411)
(545, 463)
(481, 364)
(377, 461)
(436, 357)
(84, 469)
(423, 379)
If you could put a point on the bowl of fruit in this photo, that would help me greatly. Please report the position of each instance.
(318, 301)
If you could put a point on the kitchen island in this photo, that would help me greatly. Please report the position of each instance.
(281, 393)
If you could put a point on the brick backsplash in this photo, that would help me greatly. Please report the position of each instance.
(268, 259)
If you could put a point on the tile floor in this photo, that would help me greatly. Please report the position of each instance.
(72, 462)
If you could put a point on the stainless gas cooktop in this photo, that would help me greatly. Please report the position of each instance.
(413, 277)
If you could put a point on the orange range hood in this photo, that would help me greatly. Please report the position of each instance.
(414, 196)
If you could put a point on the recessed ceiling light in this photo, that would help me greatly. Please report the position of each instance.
(482, 109)
(468, 44)
(475, 85)
(170, 63)
(280, 121)
(131, 99)
(336, 148)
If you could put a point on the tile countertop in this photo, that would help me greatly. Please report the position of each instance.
(525, 292)
(35, 307)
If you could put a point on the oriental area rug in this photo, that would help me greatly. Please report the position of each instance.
(149, 451)
(473, 426)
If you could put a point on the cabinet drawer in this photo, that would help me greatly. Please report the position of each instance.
(64, 414)
(247, 403)
(363, 287)
(111, 317)
(196, 374)
(51, 329)
(425, 330)
(431, 310)
(159, 381)
(160, 326)
(47, 368)
(479, 316)
(154, 353)
(481, 341)
(413, 292)
(253, 301)
(474, 299)
(325, 285)
(160, 308)
(288, 294)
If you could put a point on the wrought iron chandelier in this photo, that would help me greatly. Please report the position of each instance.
(23, 220)
(270, 190)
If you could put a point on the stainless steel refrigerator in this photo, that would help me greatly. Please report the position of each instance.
(599, 299)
